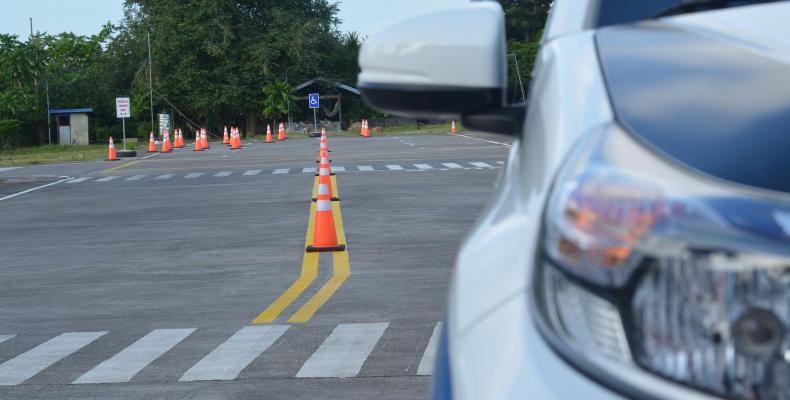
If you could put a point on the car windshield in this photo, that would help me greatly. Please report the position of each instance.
(612, 12)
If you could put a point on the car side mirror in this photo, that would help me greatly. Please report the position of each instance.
(442, 65)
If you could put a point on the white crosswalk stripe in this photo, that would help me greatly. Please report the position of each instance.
(452, 165)
(429, 355)
(481, 164)
(107, 178)
(365, 168)
(230, 358)
(344, 352)
(193, 175)
(500, 162)
(123, 366)
(394, 167)
(252, 172)
(135, 178)
(80, 179)
(223, 173)
(338, 169)
(3, 338)
(423, 166)
(281, 171)
(306, 170)
(165, 176)
(30, 363)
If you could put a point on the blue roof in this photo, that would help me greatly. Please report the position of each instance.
(71, 110)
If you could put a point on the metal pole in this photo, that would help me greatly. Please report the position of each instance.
(518, 73)
(49, 118)
(123, 121)
(340, 110)
(150, 80)
(315, 122)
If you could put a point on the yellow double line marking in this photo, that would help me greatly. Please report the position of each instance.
(341, 270)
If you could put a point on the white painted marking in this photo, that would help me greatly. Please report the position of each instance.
(123, 366)
(10, 196)
(107, 178)
(8, 169)
(428, 357)
(339, 169)
(281, 171)
(344, 352)
(192, 175)
(3, 338)
(452, 165)
(423, 166)
(252, 172)
(223, 173)
(481, 164)
(500, 162)
(165, 176)
(306, 170)
(365, 168)
(35, 360)
(81, 179)
(394, 167)
(482, 140)
(229, 359)
(135, 178)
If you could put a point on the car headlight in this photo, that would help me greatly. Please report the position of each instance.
(647, 266)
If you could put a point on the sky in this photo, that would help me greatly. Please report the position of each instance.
(85, 17)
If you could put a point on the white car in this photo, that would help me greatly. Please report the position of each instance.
(638, 245)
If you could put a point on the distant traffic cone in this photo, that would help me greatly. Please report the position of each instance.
(225, 139)
(204, 136)
(235, 140)
(175, 139)
(281, 132)
(151, 143)
(269, 134)
(366, 130)
(111, 155)
(198, 142)
(324, 234)
(452, 127)
(178, 143)
(166, 146)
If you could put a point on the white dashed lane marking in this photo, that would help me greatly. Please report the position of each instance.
(308, 170)
(193, 175)
(165, 176)
(223, 173)
(78, 180)
(393, 167)
(423, 166)
(365, 168)
(252, 172)
(281, 171)
(452, 165)
(135, 178)
(343, 352)
(107, 178)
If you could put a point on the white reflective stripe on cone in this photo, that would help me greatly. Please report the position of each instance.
(323, 189)
(324, 171)
(323, 205)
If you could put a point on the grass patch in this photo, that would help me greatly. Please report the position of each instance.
(53, 154)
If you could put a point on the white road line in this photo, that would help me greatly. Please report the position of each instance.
(500, 162)
(223, 173)
(123, 366)
(452, 165)
(365, 168)
(281, 171)
(192, 175)
(252, 172)
(339, 169)
(80, 179)
(344, 352)
(306, 170)
(481, 164)
(8, 169)
(394, 167)
(229, 359)
(165, 176)
(423, 166)
(35, 360)
(482, 140)
(10, 196)
(135, 178)
(3, 338)
(429, 355)
(107, 178)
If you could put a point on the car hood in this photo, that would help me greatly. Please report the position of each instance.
(710, 90)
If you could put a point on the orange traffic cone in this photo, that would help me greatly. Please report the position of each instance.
(111, 155)
(452, 127)
(198, 142)
(235, 140)
(324, 234)
(225, 139)
(366, 130)
(281, 132)
(204, 136)
(151, 143)
(166, 147)
(269, 134)
(177, 140)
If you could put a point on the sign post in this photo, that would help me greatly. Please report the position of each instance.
(123, 111)
(313, 102)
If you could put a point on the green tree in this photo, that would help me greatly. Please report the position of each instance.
(524, 21)
(277, 95)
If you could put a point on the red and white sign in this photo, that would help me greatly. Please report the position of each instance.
(123, 107)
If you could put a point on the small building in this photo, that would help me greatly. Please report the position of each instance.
(72, 125)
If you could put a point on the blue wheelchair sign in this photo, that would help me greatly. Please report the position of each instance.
(312, 99)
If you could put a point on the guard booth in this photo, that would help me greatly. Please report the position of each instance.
(72, 125)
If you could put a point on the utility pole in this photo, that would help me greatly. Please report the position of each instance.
(518, 73)
(150, 80)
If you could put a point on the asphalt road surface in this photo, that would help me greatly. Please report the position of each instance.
(184, 275)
